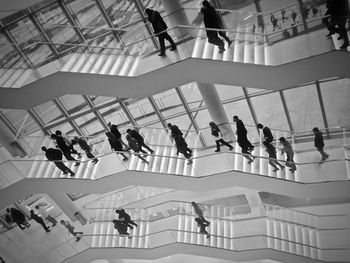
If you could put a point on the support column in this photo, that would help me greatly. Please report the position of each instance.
(215, 108)
(66, 205)
(177, 16)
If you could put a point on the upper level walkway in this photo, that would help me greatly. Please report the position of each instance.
(313, 179)
(251, 61)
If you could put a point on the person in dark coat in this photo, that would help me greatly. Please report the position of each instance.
(182, 147)
(271, 151)
(55, 155)
(62, 145)
(15, 215)
(242, 139)
(134, 145)
(294, 16)
(202, 225)
(213, 20)
(174, 130)
(141, 141)
(274, 22)
(39, 220)
(159, 27)
(319, 143)
(199, 213)
(126, 216)
(121, 226)
(268, 137)
(116, 145)
(69, 143)
(215, 131)
(339, 12)
(86, 148)
(114, 130)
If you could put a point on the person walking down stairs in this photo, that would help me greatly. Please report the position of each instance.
(215, 131)
(182, 147)
(116, 145)
(160, 27)
(39, 220)
(319, 143)
(242, 139)
(202, 225)
(70, 229)
(134, 145)
(199, 212)
(288, 150)
(271, 151)
(127, 218)
(141, 141)
(64, 147)
(55, 156)
(211, 20)
(122, 226)
(86, 148)
(268, 137)
(69, 142)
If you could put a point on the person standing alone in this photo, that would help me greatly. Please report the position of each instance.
(159, 27)
(319, 143)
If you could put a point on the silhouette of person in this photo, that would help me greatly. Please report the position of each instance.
(175, 131)
(15, 215)
(283, 14)
(266, 132)
(215, 131)
(319, 143)
(202, 225)
(141, 141)
(294, 16)
(126, 216)
(121, 226)
(271, 150)
(182, 147)
(114, 130)
(339, 12)
(39, 220)
(159, 27)
(62, 145)
(134, 145)
(288, 150)
(46, 214)
(242, 140)
(55, 156)
(68, 142)
(274, 22)
(116, 145)
(70, 229)
(86, 148)
(199, 212)
(211, 21)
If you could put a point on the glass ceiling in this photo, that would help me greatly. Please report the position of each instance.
(323, 104)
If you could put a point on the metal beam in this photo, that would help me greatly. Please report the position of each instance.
(42, 31)
(323, 111)
(97, 113)
(10, 38)
(38, 121)
(286, 111)
(190, 116)
(104, 13)
(63, 109)
(303, 18)
(140, 7)
(128, 114)
(157, 111)
(9, 125)
(251, 108)
(71, 20)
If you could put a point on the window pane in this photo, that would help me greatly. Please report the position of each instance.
(229, 92)
(304, 108)
(48, 112)
(143, 112)
(8, 55)
(89, 17)
(121, 12)
(336, 97)
(73, 103)
(269, 111)
(192, 95)
(136, 32)
(56, 25)
(89, 124)
(114, 114)
(169, 103)
(20, 119)
(26, 34)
